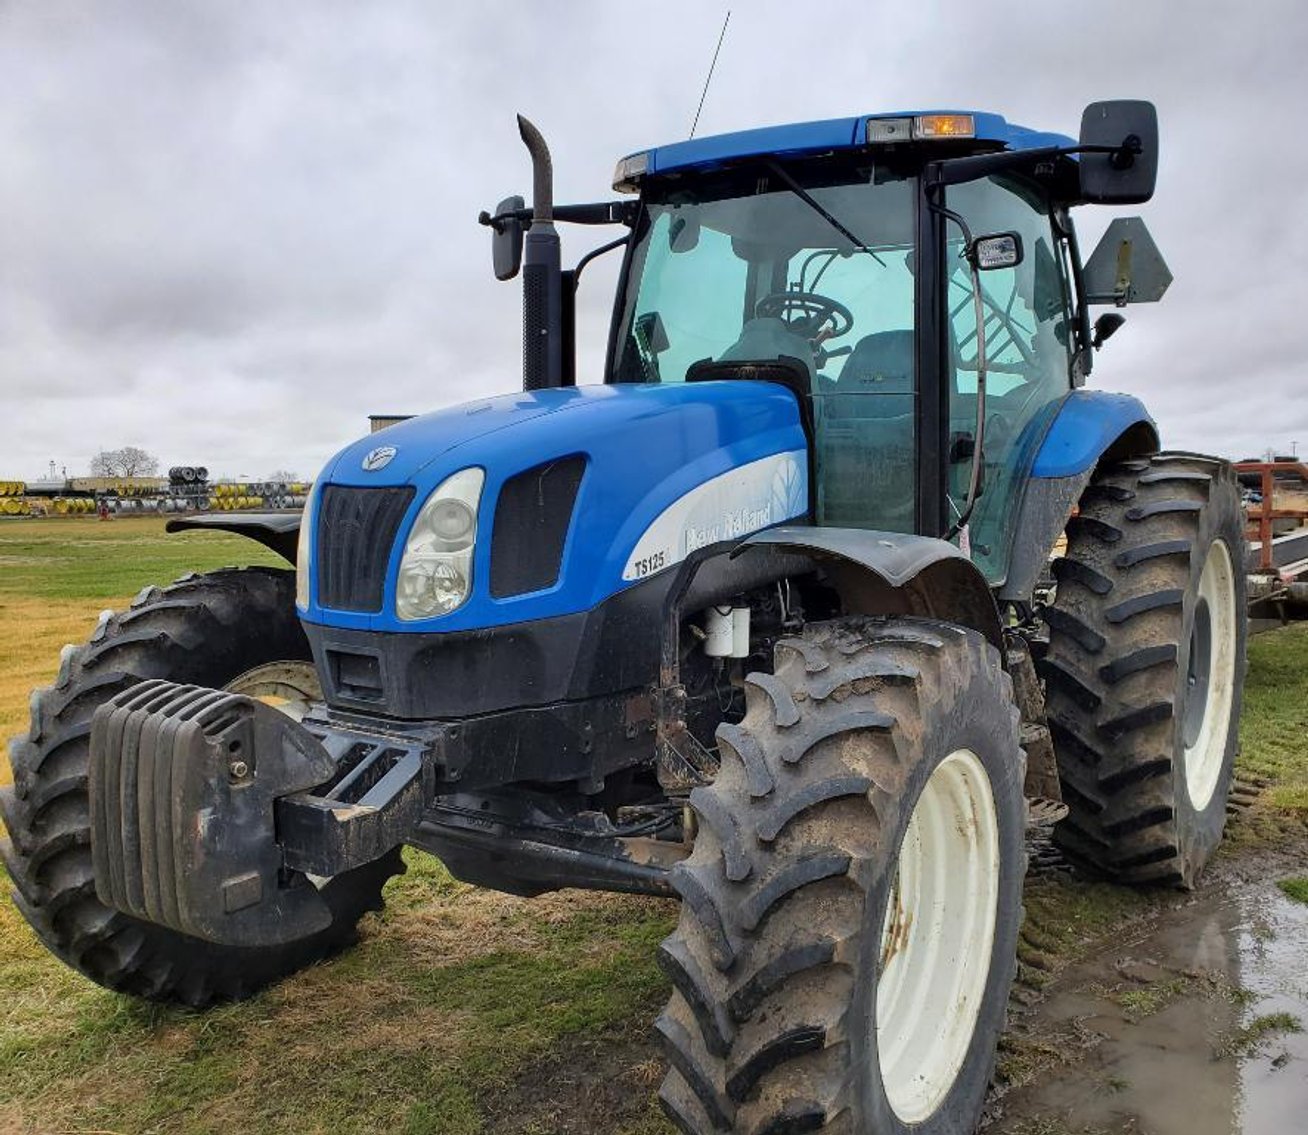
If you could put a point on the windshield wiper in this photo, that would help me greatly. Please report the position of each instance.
(814, 204)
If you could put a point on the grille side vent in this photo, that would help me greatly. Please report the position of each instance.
(356, 531)
(532, 518)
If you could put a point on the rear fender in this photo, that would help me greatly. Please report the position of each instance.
(279, 531)
(888, 573)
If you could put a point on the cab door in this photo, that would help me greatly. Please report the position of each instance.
(1028, 329)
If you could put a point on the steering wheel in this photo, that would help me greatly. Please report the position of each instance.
(807, 314)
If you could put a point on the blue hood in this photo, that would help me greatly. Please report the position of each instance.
(648, 450)
(422, 440)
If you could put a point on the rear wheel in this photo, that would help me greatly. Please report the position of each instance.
(1146, 664)
(233, 629)
(850, 911)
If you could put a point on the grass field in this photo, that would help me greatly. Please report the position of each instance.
(461, 1011)
(56, 576)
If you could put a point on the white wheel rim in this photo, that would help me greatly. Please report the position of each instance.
(290, 688)
(937, 937)
(1204, 757)
(286, 686)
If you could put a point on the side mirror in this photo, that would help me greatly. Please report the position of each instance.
(1126, 173)
(1106, 327)
(998, 250)
(506, 238)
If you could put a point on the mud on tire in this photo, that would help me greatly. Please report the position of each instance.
(206, 630)
(1140, 648)
(782, 943)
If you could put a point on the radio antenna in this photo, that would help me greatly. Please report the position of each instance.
(721, 36)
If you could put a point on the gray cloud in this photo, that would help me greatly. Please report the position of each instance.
(229, 232)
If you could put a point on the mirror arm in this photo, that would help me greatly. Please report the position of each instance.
(956, 171)
(595, 253)
(1123, 157)
(950, 215)
(597, 213)
(497, 221)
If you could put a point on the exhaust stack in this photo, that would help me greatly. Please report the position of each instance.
(542, 281)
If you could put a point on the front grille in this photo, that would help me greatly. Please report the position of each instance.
(356, 530)
(531, 525)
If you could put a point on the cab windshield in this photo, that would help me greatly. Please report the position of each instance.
(755, 268)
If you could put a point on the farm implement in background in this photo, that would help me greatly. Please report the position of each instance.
(1276, 515)
(187, 489)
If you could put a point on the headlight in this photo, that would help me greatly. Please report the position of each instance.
(436, 569)
(304, 549)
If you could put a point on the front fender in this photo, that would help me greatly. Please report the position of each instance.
(1091, 426)
(888, 573)
(1088, 424)
(279, 531)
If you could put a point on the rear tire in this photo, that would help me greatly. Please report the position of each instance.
(878, 748)
(221, 629)
(1145, 666)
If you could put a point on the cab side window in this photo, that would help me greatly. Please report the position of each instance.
(1026, 315)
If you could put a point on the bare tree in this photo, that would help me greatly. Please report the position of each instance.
(283, 477)
(126, 462)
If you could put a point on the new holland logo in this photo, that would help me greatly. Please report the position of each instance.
(378, 458)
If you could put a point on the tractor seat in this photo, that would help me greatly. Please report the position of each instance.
(881, 363)
(876, 381)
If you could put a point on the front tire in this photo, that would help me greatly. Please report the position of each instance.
(850, 911)
(1146, 664)
(233, 629)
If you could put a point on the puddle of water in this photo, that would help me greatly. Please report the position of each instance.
(1151, 1029)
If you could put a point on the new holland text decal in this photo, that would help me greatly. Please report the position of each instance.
(727, 507)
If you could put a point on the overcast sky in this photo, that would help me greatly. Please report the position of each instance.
(230, 231)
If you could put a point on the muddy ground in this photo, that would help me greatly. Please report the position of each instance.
(1154, 1014)
(1186, 1020)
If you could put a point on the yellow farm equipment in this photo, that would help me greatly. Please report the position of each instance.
(72, 506)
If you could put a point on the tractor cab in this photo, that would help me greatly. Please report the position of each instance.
(914, 278)
(816, 262)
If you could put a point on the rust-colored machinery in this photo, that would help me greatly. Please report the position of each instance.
(1276, 518)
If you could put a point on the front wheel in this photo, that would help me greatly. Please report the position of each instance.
(235, 630)
(850, 911)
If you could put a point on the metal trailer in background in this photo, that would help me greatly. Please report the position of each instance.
(1277, 531)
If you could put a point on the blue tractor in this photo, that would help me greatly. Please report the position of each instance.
(838, 581)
